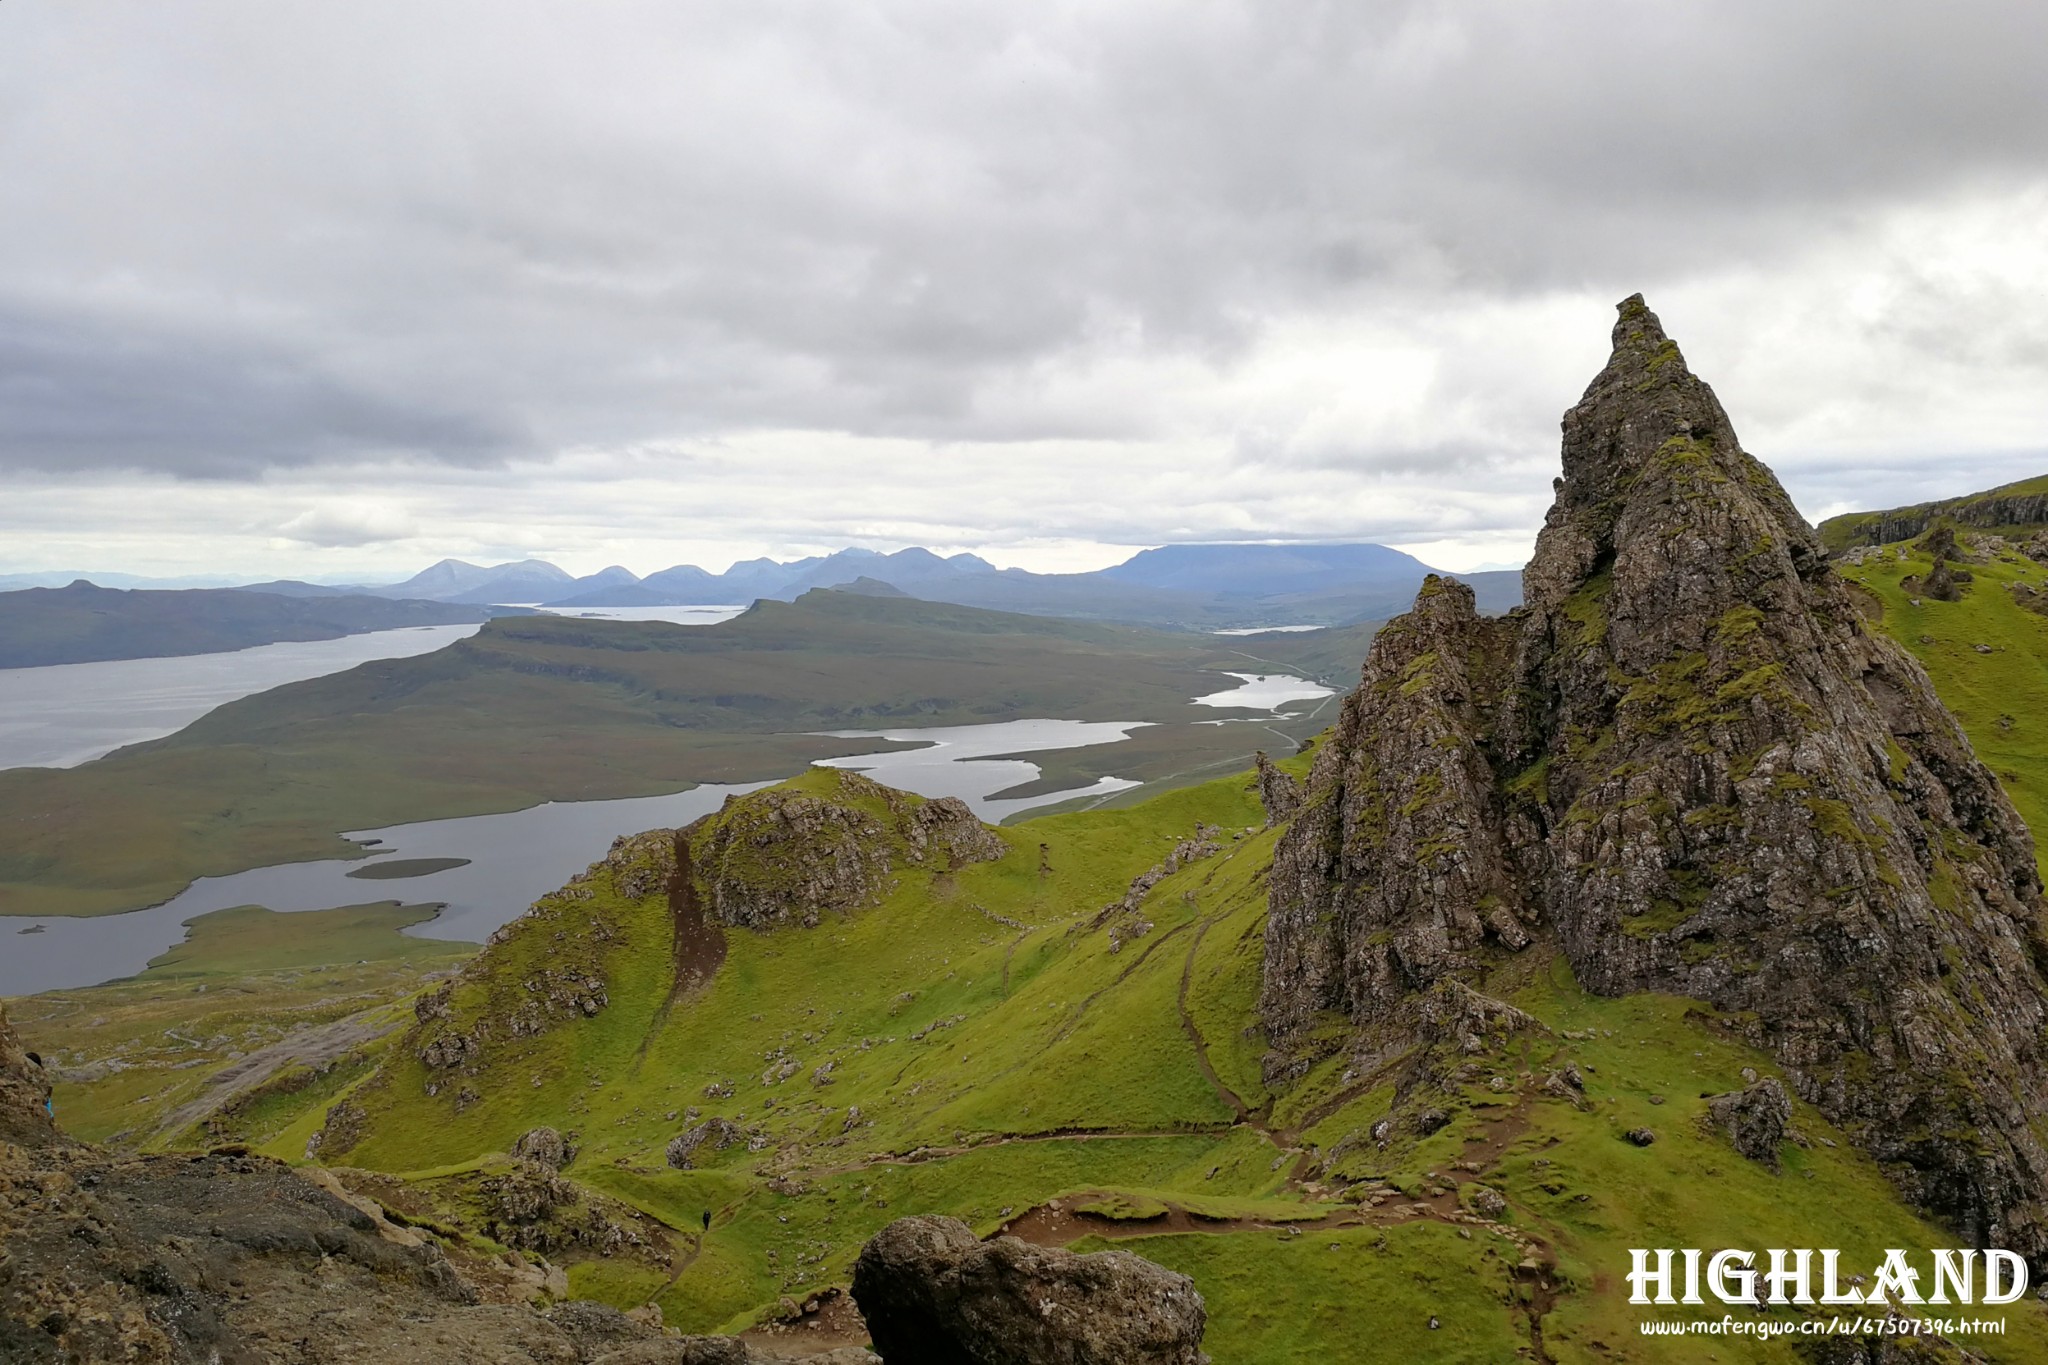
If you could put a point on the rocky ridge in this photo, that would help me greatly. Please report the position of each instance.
(781, 857)
(1686, 766)
(2010, 508)
(785, 856)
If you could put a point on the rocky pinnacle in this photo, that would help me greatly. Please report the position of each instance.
(1689, 766)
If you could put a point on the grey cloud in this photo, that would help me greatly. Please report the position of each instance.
(82, 394)
(473, 232)
(348, 525)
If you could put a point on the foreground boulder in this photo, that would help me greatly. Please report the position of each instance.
(1688, 765)
(934, 1294)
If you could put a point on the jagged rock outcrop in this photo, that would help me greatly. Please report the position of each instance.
(1279, 793)
(528, 1206)
(1944, 581)
(945, 828)
(718, 1134)
(934, 1294)
(1754, 1119)
(24, 1093)
(544, 1147)
(1395, 868)
(1690, 767)
(787, 856)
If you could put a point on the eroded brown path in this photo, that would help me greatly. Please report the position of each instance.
(697, 946)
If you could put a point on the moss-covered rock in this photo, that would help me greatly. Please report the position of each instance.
(791, 853)
(1690, 764)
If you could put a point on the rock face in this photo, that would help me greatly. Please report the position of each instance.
(1279, 793)
(24, 1093)
(2003, 509)
(785, 856)
(1688, 766)
(933, 1294)
(1754, 1119)
(544, 1147)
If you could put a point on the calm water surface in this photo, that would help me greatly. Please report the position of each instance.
(1266, 692)
(511, 859)
(514, 858)
(62, 715)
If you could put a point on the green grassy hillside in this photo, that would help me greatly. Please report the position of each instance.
(319, 986)
(991, 1041)
(535, 709)
(1987, 655)
(1026, 1045)
(2011, 509)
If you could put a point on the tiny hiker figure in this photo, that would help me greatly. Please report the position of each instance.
(707, 1220)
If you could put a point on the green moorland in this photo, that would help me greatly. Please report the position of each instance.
(986, 1042)
(2013, 509)
(83, 623)
(1987, 655)
(129, 1055)
(534, 709)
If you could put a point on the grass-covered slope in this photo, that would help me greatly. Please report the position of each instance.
(2013, 508)
(545, 708)
(253, 1012)
(1987, 654)
(1029, 1045)
(84, 623)
(1033, 1044)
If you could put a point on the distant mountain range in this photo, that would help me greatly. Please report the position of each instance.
(1199, 586)
(58, 578)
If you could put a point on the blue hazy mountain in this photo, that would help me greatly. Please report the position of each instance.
(1199, 586)
(1196, 586)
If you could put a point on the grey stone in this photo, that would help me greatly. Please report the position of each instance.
(1688, 765)
(932, 1294)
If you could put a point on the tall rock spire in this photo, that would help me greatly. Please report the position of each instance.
(1688, 766)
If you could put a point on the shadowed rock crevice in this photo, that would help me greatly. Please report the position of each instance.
(1689, 766)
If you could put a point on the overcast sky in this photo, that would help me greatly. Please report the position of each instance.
(337, 288)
